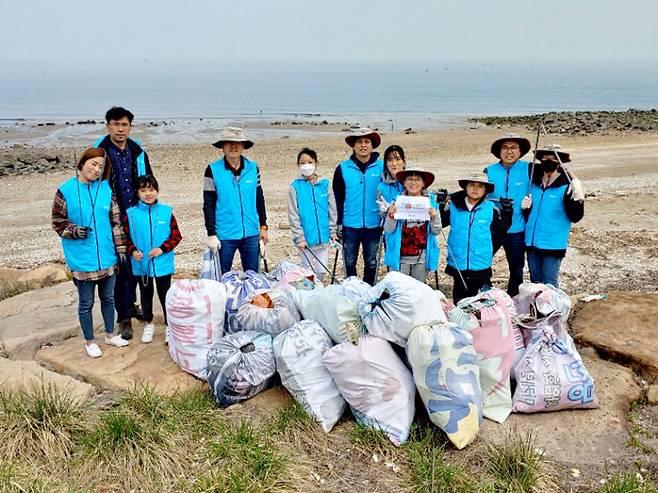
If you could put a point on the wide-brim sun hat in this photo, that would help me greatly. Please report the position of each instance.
(550, 150)
(359, 133)
(233, 134)
(524, 144)
(477, 178)
(427, 176)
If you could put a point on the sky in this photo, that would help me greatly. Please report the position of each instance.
(331, 31)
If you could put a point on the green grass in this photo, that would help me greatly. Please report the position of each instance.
(628, 482)
(367, 437)
(516, 465)
(14, 289)
(293, 417)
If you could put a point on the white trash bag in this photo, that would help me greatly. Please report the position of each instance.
(240, 366)
(268, 311)
(376, 384)
(298, 352)
(239, 285)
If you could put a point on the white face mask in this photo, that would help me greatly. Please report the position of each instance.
(307, 169)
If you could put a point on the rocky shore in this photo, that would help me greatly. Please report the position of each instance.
(22, 159)
(581, 122)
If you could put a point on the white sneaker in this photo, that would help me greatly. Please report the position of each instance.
(93, 351)
(167, 335)
(147, 334)
(116, 341)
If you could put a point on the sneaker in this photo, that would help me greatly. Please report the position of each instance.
(136, 312)
(147, 334)
(126, 329)
(167, 335)
(93, 351)
(116, 341)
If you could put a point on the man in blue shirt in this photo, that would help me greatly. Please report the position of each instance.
(128, 162)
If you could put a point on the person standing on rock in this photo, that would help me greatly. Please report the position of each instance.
(87, 218)
(233, 203)
(355, 185)
(556, 201)
(511, 179)
(128, 161)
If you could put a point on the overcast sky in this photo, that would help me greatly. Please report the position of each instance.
(330, 31)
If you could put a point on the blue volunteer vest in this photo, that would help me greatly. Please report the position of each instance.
(470, 237)
(511, 183)
(394, 243)
(390, 191)
(89, 204)
(236, 216)
(548, 225)
(313, 209)
(360, 209)
(141, 164)
(150, 226)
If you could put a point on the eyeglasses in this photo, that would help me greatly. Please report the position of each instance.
(510, 148)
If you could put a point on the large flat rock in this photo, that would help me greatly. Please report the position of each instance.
(17, 376)
(580, 436)
(119, 368)
(38, 317)
(624, 328)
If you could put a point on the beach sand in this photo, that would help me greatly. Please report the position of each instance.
(614, 247)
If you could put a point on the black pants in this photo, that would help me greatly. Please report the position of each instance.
(162, 284)
(473, 285)
(514, 246)
(124, 292)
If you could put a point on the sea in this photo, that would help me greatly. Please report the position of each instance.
(195, 98)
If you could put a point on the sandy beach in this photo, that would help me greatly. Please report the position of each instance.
(613, 247)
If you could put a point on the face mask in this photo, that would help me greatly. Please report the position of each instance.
(307, 169)
(549, 166)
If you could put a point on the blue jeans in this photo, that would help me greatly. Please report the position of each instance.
(86, 291)
(514, 246)
(249, 249)
(368, 238)
(544, 268)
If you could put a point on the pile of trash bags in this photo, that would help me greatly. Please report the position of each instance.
(370, 348)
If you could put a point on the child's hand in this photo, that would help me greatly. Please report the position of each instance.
(155, 252)
(432, 213)
(391, 210)
(301, 244)
(138, 255)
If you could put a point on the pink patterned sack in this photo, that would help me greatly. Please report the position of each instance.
(551, 376)
(195, 312)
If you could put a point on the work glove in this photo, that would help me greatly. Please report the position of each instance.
(526, 203)
(383, 205)
(213, 243)
(576, 190)
(80, 232)
(339, 233)
(123, 259)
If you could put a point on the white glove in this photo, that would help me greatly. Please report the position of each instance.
(576, 189)
(383, 205)
(526, 203)
(213, 243)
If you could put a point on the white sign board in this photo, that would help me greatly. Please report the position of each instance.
(412, 208)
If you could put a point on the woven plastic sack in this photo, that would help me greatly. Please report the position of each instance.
(447, 377)
(240, 366)
(551, 376)
(376, 385)
(335, 313)
(540, 300)
(210, 265)
(285, 267)
(397, 304)
(268, 311)
(354, 289)
(195, 313)
(494, 341)
(239, 285)
(298, 352)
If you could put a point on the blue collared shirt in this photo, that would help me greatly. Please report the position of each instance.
(123, 177)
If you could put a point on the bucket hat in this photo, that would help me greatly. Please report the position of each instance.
(478, 177)
(374, 137)
(524, 144)
(427, 176)
(550, 150)
(233, 134)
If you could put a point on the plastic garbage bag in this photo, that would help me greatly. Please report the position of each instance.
(298, 352)
(240, 366)
(239, 285)
(446, 373)
(210, 265)
(540, 300)
(354, 289)
(195, 313)
(397, 304)
(268, 311)
(376, 385)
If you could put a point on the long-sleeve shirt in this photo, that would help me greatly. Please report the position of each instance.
(210, 198)
(167, 246)
(338, 183)
(295, 219)
(65, 229)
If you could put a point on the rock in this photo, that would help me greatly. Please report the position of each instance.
(652, 395)
(623, 328)
(579, 436)
(16, 376)
(120, 368)
(45, 275)
(42, 316)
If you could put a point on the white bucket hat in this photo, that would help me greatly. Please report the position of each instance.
(374, 137)
(233, 134)
(477, 177)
